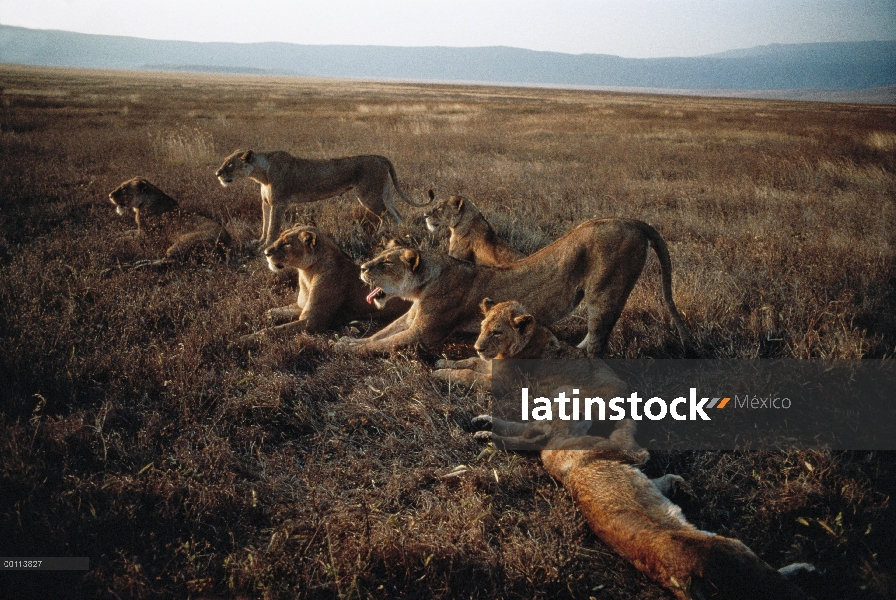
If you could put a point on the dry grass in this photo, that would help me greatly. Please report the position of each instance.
(134, 435)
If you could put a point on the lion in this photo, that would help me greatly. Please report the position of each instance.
(330, 289)
(286, 180)
(633, 515)
(597, 263)
(194, 232)
(507, 331)
(472, 237)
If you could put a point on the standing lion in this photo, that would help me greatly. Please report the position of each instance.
(286, 180)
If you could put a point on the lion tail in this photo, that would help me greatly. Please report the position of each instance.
(662, 253)
(398, 189)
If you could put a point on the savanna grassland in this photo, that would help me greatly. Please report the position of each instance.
(134, 433)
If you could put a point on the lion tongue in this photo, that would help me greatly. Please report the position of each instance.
(376, 293)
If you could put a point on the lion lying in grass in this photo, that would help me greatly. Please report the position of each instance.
(472, 237)
(632, 515)
(597, 264)
(507, 331)
(287, 180)
(158, 214)
(330, 289)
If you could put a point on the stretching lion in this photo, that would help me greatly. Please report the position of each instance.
(330, 290)
(472, 237)
(287, 180)
(507, 331)
(597, 263)
(157, 213)
(631, 514)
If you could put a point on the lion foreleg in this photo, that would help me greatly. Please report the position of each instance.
(265, 220)
(275, 220)
(397, 326)
(284, 314)
(388, 344)
(623, 435)
(473, 363)
(467, 377)
(292, 327)
(318, 313)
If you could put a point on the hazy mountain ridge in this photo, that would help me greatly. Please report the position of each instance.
(823, 66)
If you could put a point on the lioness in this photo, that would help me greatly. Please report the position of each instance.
(472, 237)
(193, 232)
(286, 180)
(632, 515)
(597, 263)
(330, 290)
(507, 331)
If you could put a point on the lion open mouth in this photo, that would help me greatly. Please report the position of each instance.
(376, 293)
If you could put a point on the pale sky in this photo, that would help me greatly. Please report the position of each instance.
(629, 28)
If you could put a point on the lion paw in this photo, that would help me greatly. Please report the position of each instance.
(483, 436)
(482, 422)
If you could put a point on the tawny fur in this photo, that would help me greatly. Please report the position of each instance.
(597, 264)
(507, 331)
(159, 215)
(330, 289)
(633, 516)
(472, 237)
(286, 180)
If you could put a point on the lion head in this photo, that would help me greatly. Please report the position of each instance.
(450, 213)
(296, 248)
(238, 164)
(505, 330)
(394, 272)
(139, 194)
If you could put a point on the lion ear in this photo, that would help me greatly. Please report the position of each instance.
(308, 238)
(523, 323)
(247, 155)
(486, 305)
(457, 202)
(411, 258)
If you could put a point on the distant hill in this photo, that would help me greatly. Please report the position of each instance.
(824, 66)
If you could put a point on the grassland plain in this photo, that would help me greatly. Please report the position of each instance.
(133, 433)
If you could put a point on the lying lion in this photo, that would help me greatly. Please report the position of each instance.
(597, 263)
(472, 237)
(157, 213)
(507, 331)
(287, 180)
(330, 289)
(631, 514)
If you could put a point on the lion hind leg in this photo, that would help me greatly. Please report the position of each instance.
(387, 200)
(380, 201)
(195, 242)
(667, 484)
